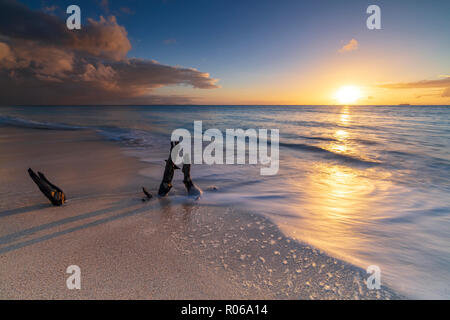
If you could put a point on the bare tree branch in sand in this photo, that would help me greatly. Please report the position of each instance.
(169, 170)
(52, 192)
(192, 189)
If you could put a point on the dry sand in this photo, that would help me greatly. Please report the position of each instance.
(170, 248)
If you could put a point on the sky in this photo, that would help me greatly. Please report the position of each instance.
(225, 52)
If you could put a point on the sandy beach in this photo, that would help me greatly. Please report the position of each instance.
(170, 248)
(312, 140)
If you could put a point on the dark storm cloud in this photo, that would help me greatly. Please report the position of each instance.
(41, 62)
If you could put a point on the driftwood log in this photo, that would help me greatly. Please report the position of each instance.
(169, 170)
(192, 189)
(52, 192)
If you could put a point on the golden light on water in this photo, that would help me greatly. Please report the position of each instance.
(345, 117)
(338, 201)
(340, 144)
(341, 134)
(348, 94)
(336, 207)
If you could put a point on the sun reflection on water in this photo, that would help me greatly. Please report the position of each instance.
(341, 136)
(339, 202)
(338, 206)
(345, 116)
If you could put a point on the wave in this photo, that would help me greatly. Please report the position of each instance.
(317, 138)
(130, 137)
(24, 123)
(365, 141)
(328, 154)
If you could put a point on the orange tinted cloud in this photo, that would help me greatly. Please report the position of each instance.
(423, 84)
(350, 46)
(42, 62)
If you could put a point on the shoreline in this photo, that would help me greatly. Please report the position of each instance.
(169, 248)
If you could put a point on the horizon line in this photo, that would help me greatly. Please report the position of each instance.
(226, 105)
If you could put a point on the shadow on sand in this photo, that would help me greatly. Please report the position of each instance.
(14, 236)
(24, 209)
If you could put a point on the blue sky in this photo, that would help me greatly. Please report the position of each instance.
(251, 44)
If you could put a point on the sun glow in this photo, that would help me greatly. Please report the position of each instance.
(348, 94)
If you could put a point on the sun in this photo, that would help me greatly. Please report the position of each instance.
(348, 94)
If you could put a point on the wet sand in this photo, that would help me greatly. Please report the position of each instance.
(170, 248)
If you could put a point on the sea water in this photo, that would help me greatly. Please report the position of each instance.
(367, 184)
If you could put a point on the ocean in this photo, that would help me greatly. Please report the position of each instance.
(367, 184)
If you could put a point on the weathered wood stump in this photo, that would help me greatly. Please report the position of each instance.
(52, 192)
(192, 189)
(169, 171)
